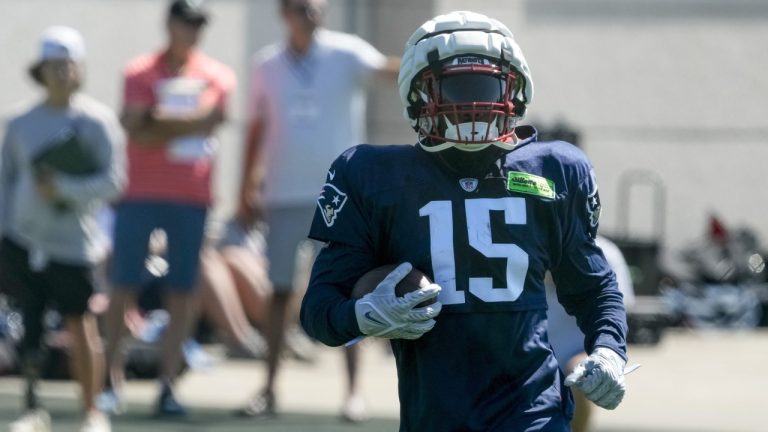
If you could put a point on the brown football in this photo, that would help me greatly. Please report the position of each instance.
(414, 280)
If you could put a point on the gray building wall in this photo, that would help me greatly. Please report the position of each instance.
(669, 86)
(676, 87)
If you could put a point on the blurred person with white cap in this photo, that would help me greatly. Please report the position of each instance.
(174, 99)
(61, 159)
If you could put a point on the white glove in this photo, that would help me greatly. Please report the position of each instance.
(600, 377)
(383, 314)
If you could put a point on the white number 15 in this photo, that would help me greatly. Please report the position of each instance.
(479, 230)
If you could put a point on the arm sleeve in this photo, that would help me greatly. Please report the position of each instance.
(367, 59)
(342, 214)
(227, 85)
(327, 312)
(257, 106)
(137, 91)
(7, 179)
(109, 180)
(586, 285)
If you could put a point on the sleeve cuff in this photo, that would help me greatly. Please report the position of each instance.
(349, 321)
(622, 352)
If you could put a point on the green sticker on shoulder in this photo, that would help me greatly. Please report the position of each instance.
(530, 184)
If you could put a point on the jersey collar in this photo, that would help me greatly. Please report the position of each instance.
(526, 134)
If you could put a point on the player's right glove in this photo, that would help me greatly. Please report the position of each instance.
(600, 377)
(381, 313)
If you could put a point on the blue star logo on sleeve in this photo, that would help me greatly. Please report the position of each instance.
(594, 209)
(330, 202)
(593, 206)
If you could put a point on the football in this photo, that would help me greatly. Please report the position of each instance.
(414, 280)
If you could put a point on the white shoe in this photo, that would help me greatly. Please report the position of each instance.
(36, 420)
(110, 402)
(96, 421)
(355, 410)
(299, 346)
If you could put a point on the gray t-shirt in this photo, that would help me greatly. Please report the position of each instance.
(313, 108)
(90, 171)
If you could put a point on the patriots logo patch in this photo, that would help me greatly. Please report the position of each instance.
(469, 184)
(331, 201)
(594, 208)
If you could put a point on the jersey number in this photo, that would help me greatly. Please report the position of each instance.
(479, 229)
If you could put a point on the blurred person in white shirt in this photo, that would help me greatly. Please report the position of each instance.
(307, 104)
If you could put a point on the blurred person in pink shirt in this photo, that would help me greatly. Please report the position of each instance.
(174, 100)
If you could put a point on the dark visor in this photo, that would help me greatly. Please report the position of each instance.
(467, 88)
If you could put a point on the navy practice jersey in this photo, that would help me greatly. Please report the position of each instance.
(487, 364)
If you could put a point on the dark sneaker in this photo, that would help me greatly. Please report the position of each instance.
(261, 405)
(167, 405)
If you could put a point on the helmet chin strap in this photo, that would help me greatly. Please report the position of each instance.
(469, 164)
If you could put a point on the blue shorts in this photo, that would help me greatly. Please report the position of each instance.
(184, 226)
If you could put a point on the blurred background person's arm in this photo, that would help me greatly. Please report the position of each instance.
(7, 175)
(369, 61)
(148, 126)
(391, 68)
(251, 200)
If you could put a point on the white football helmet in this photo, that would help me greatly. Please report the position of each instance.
(464, 83)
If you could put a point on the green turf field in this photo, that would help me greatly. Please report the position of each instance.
(138, 419)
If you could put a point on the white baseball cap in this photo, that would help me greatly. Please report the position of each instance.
(58, 43)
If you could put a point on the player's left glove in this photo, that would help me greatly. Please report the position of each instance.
(600, 377)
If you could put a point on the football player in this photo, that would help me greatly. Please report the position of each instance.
(485, 210)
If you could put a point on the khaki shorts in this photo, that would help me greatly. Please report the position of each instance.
(288, 229)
